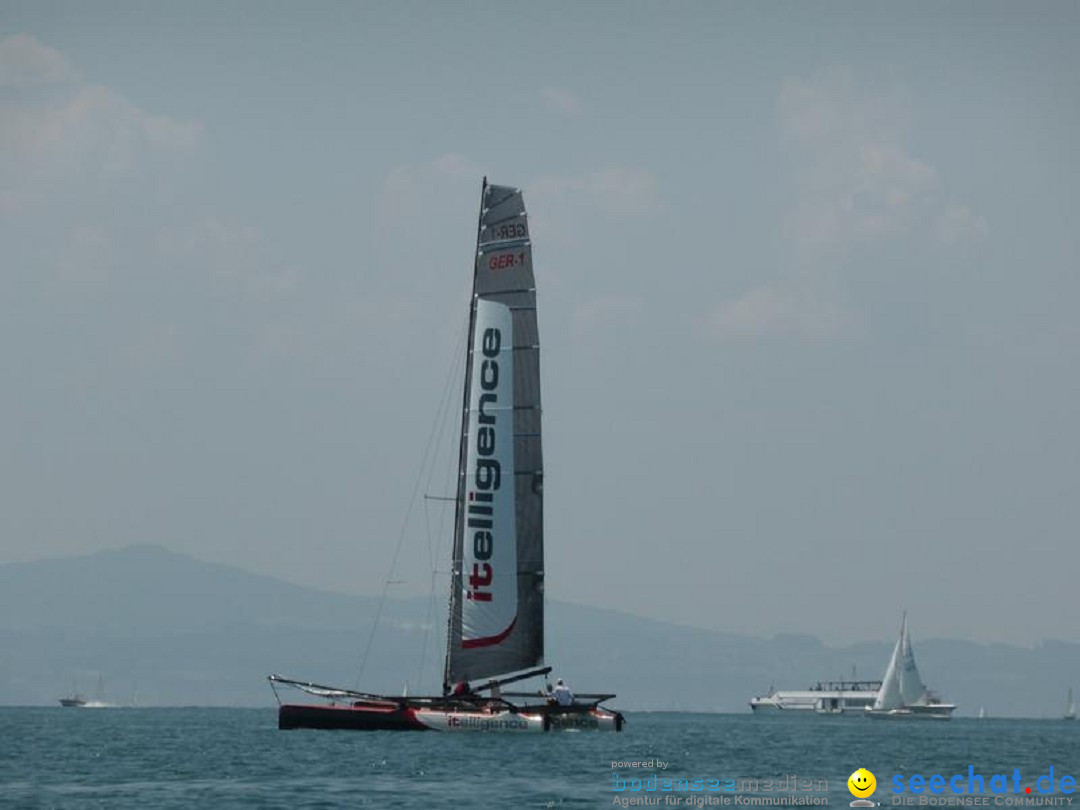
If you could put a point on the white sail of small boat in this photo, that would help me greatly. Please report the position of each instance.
(1070, 706)
(903, 693)
(496, 618)
(982, 712)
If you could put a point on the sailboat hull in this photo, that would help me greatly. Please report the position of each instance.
(348, 718)
(933, 711)
(481, 721)
(376, 717)
(596, 719)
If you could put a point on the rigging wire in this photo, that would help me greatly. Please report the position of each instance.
(427, 462)
(449, 472)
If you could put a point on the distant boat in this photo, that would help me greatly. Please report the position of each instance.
(1070, 707)
(824, 697)
(74, 700)
(982, 712)
(77, 701)
(903, 695)
(496, 623)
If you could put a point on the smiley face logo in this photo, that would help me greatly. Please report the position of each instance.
(862, 783)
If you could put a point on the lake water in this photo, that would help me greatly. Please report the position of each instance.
(211, 758)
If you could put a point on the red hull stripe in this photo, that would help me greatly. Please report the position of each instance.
(469, 643)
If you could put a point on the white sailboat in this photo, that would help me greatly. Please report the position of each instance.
(1070, 707)
(496, 620)
(903, 695)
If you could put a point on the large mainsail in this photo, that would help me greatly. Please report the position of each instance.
(496, 622)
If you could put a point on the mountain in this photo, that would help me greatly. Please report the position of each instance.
(162, 628)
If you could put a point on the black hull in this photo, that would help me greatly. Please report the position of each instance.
(347, 718)
(379, 717)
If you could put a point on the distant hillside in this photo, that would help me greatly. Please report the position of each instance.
(161, 628)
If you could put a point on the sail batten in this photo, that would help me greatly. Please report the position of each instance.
(496, 601)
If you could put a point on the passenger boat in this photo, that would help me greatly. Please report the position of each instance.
(824, 697)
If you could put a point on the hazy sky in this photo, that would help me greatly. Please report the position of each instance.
(807, 273)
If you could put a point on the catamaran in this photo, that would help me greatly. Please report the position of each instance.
(903, 695)
(495, 634)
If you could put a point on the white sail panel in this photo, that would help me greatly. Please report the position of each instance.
(888, 696)
(912, 688)
(489, 550)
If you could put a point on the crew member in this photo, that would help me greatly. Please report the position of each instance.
(562, 694)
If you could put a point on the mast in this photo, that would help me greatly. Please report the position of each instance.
(454, 615)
